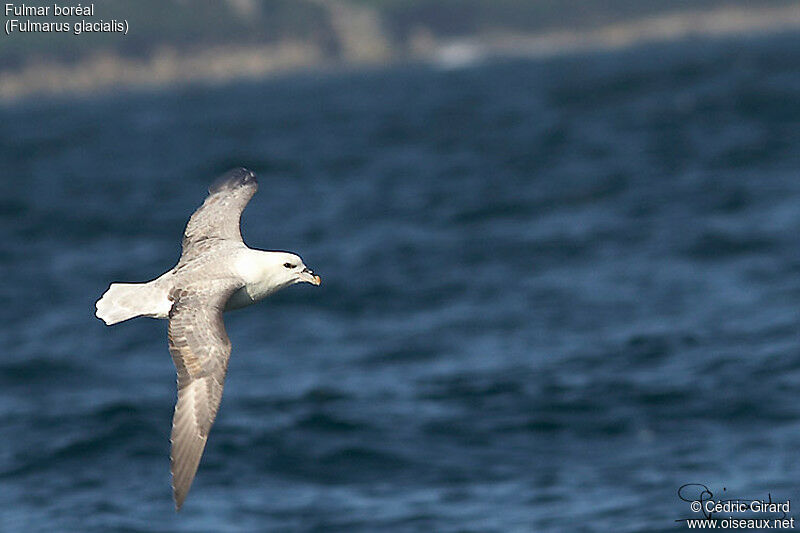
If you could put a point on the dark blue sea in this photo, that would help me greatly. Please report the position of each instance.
(554, 291)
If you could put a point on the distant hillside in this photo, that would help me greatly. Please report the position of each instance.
(171, 41)
(334, 26)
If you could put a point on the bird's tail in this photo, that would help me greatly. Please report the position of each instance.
(123, 301)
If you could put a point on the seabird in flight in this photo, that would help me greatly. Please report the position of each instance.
(216, 272)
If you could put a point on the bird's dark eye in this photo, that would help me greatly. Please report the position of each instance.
(288, 265)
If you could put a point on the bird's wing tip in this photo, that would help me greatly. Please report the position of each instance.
(234, 178)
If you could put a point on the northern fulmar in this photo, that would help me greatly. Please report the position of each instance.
(216, 272)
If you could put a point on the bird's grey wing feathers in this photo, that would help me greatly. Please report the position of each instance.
(218, 218)
(200, 349)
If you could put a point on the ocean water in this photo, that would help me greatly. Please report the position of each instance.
(554, 291)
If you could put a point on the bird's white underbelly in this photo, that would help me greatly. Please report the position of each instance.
(239, 299)
(249, 294)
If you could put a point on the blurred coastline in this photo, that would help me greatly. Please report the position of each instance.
(329, 35)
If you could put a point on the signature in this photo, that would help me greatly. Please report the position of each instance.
(698, 492)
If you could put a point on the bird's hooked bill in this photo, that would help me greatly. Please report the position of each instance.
(308, 275)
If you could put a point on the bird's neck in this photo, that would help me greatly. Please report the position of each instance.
(257, 270)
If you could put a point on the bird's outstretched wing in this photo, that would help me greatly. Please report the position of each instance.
(218, 218)
(200, 349)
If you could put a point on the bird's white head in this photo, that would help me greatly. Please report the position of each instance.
(292, 269)
(277, 270)
(266, 272)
